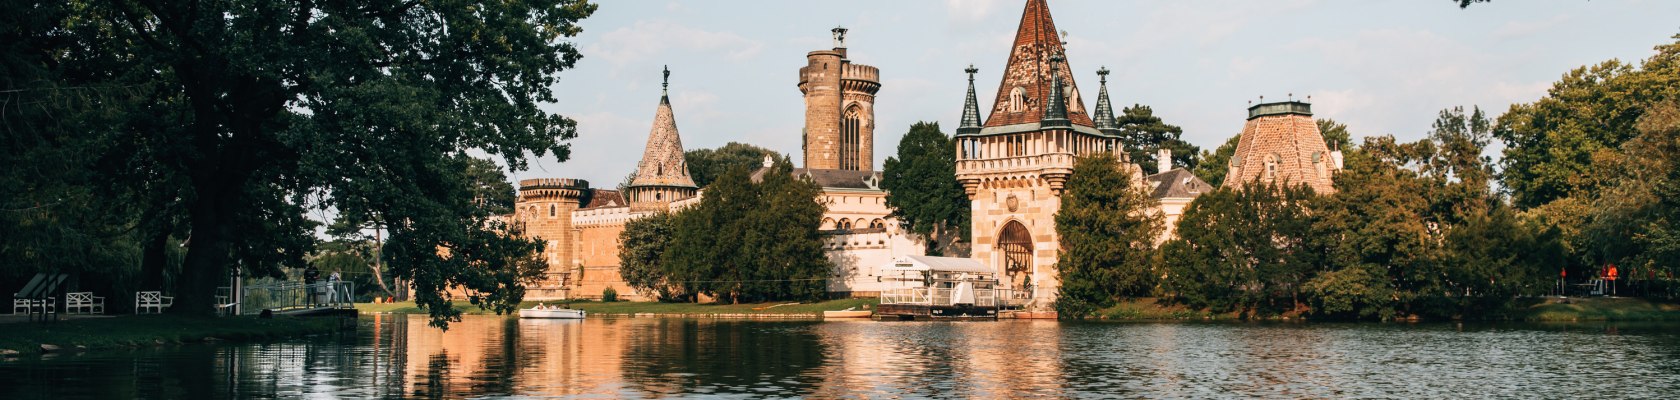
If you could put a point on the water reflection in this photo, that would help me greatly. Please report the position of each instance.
(399, 356)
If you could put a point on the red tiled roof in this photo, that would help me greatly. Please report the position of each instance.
(1029, 69)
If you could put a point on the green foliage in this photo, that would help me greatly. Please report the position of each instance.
(1143, 134)
(1549, 144)
(922, 188)
(706, 165)
(229, 120)
(1248, 249)
(748, 241)
(609, 295)
(641, 247)
(1217, 163)
(1335, 134)
(1107, 234)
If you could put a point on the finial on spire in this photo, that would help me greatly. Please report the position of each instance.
(665, 87)
(971, 107)
(971, 70)
(1102, 74)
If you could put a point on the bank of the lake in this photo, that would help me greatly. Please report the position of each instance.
(127, 331)
(1546, 309)
(771, 309)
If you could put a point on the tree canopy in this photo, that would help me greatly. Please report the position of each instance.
(706, 165)
(239, 116)
(922, 188)
(1107, 228)
(1144, 134)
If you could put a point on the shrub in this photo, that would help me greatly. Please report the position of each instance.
(609, 295)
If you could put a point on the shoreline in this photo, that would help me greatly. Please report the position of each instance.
(114, 332)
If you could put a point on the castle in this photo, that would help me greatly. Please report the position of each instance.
(1013, 166)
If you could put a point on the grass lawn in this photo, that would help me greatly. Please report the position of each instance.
(145, 330)
(1602, 309)
(629, 307)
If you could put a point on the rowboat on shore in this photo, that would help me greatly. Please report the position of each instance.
(847, 313)
(551, 312)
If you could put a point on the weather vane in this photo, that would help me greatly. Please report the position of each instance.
(665, 87)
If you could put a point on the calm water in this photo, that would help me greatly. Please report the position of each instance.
(487, 356)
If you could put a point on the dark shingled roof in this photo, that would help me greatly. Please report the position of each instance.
(833, 178)
(1177, 182)
(601, 198)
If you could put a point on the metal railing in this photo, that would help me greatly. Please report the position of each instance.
(284, 296)
(935, 296)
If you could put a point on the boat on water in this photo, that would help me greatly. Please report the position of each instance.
(551, 312)
(847, 313)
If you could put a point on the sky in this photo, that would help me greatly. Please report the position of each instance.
(1381, 67)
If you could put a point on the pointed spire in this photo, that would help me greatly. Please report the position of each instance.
(1024, 92)
(662, 160)
(1104, 114)
(1055, 110)
(971, 108)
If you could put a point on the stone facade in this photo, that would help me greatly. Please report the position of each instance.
(839, 109)
(1281, 144)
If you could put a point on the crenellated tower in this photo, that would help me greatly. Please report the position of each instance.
(1014, 165)
(545, 208)
(839, 109)
(662, 176)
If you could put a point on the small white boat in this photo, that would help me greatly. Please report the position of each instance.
(852, 312)
(551, 312)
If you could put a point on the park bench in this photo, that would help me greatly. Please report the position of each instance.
(84, 302)
(153, 300)
(39, 295)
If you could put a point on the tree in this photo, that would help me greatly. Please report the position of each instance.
(261, 108)
(1215, 165)
(1144, 134)
(1249, 249)
(773, 252)
(1107, 232)
(706, 165)
(922, 188)
(1335, 134)
(1549, 144)
(643, 243)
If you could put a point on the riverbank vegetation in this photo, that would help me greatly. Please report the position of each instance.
(1435, 229)
(751, 238)
(649, 307)
(99, 333)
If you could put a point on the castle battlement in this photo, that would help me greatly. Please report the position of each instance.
(611, 216)
(860, 72)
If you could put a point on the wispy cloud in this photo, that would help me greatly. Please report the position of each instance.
(645, 40)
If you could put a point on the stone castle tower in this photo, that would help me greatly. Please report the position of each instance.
(1013, 166)
(662, 176)
(839, 109)
(545, 208)
(1281, 144)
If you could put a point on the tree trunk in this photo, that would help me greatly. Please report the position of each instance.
(205, 267)
(378, 246)
(154, 258)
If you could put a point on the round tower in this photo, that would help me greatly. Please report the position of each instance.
(545, 208)
(839, 109)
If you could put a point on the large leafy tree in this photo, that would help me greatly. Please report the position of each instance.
(774, 250)
(256, 109)
(1144, 134)
(706, 165)
(642, 245)
(1549, 144)
(1107, 231)
(922, 188)
(1248, 249)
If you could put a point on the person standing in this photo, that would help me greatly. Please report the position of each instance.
(333, 287)
(310, 275)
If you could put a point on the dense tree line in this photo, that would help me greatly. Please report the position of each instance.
(745, 241)
(1107, 235)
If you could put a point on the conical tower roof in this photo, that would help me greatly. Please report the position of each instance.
(971, 107)
(662, 161)
(1027, 84)
(1105, 112)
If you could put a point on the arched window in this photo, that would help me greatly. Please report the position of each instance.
(553, 211)
(1017, 99)
(1271, 167)
(878, 224)
(851, 133)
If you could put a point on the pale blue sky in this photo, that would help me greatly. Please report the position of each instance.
(1382, 67)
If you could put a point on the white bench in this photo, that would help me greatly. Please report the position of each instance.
(22, 305)
(155, 301)
(83, 302)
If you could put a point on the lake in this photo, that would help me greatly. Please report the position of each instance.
(491, 356)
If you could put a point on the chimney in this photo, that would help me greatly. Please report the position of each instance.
(1163, 160)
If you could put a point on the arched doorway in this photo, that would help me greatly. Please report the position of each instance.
(1016, 245)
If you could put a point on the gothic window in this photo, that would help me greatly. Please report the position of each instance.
(553, 211)
(1017, 99)
(851, 130)
(877, 223)
(659, 169)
